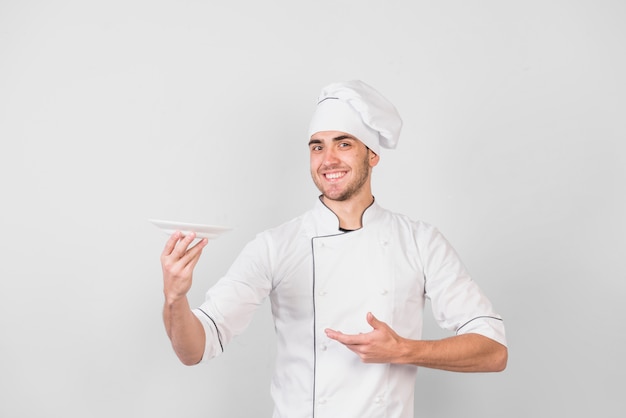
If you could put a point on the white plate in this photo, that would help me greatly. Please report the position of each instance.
(202, 231)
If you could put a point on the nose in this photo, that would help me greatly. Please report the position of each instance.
(330, 156)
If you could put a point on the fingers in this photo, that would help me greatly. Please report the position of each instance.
(192, 256)
(178, 262)
(346, 339)
(356, 339)
(178, 258)
(186, 254)
(182, 244)
(178, 245)
(171, 243)
(379, 345)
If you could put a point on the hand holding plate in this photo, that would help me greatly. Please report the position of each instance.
(178, 261)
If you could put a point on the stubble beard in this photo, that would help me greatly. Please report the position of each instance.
(351, 189)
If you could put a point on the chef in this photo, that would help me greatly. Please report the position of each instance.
(347, 281)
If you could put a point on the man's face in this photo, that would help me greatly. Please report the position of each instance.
(340, 165)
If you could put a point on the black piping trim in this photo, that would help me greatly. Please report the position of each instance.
(342, 230)
(219, 336)
(314, 328)
(478, 317)
(338, 221)
(326, 98)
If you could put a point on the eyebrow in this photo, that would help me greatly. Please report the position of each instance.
(338, 138)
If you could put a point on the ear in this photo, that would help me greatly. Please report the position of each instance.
(373, 158)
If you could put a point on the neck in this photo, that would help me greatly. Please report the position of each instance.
(350, 212)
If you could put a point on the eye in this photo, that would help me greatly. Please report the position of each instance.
(344, 144)
(316, 147)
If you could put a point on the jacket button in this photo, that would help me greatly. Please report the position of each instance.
(383, 291)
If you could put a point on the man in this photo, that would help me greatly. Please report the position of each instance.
(347, 282)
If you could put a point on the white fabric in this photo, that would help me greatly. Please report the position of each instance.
(358, 109)
(317, 278)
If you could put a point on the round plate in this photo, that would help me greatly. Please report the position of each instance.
(202, 231)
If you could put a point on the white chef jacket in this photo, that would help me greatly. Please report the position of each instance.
(319, 277)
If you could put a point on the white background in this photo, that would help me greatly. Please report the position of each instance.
(114, 112)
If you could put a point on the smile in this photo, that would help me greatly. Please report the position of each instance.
(335, 176)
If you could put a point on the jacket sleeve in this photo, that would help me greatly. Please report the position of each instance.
(458, 304)
(230, 304)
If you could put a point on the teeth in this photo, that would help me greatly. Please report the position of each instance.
(333, 176)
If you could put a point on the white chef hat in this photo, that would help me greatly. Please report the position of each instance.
(356, 108)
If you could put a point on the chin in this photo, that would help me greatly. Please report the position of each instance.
(337, 197)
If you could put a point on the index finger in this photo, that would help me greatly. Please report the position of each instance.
(171, 243)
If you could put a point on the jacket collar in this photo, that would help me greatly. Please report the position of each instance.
(327, 223)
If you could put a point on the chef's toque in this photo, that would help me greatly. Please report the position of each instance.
(356, 108)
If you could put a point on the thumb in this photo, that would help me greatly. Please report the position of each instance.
(373, 321)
